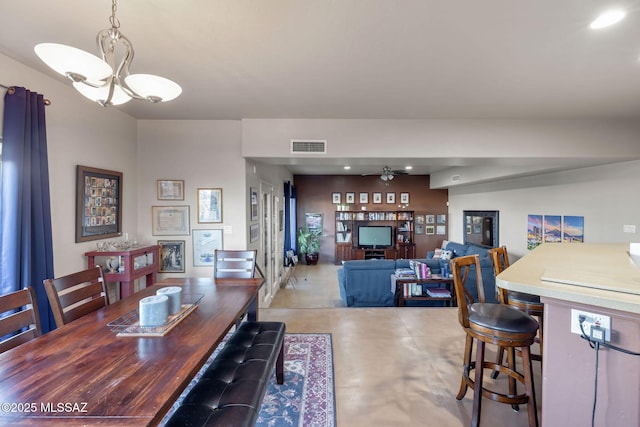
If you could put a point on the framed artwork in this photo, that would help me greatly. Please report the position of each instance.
(170, 220)
(441, 219)
(534, 231)
(377, 197)
(419, 219)
(429, 229)
(573, 229)
(364, 197)
(441, 229)
(391, 198)
(210, 205)
(404, 197)
(254, 232)
(350, 197)
(313, 221)
(552, 228)
(170, 189)
(205, 242)
(430, 219)
(253, 202)
(335, 198)
(98, 203)
(171, 256)
(419, 229)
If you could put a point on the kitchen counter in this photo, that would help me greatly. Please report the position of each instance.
(602, 275)
(600, 279)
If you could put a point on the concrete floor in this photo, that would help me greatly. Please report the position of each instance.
(393, 366)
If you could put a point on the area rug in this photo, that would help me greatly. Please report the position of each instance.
(306, 399)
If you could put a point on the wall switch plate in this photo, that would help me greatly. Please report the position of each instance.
(591, 319)
(227, 229)
(628, 228)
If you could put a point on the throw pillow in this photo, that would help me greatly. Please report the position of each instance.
(446, 255)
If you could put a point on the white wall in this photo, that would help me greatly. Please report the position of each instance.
(79, 132)
(607, 197)
(446, 138)
(205, 154)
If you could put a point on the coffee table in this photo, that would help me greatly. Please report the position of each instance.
(397, 286)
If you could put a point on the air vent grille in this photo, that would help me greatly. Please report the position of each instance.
(299, 146)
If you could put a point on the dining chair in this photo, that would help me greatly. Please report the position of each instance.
(237, 264)
(493, 323)
(528, 303)
(76, 294)
(21, 320)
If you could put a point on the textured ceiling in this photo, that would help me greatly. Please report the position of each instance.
(405, 59)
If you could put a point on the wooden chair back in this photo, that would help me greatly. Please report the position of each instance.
(20, 320)
(237, 264)
(462, 268)
(500, 258)
(77, 294)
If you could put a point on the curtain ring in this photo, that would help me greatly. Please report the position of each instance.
(11, 90)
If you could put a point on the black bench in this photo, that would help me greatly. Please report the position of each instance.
(231, 390)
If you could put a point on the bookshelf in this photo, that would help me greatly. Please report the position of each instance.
(346, 242)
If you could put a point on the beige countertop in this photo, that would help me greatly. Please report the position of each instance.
(602, 275)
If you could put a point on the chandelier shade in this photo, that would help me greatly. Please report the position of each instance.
(107, 80)
(68, 60)
(150, 86)
(100, 93)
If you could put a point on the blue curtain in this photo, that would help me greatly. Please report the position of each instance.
(290, 242)
(26, 246)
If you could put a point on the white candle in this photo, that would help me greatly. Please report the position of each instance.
(154, 310)
(175, 298)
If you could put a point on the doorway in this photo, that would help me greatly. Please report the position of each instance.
(481, 228)
(268, 256)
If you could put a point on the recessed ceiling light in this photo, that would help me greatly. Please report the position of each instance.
(347, 167)
(408, 167)
(607, 19)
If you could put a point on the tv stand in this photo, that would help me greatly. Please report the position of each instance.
(370, 253)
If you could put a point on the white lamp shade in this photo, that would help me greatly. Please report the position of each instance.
(101, 93)
(66, 59)
(148, 85)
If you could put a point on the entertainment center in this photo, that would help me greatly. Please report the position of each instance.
(374, 235)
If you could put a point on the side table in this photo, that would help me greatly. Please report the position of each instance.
(397, 286)
(125, 266)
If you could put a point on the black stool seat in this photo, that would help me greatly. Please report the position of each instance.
(502, 318)
(496, 324)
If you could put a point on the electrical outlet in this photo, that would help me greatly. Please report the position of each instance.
(590, 319)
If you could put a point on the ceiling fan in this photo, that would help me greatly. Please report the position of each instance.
(388, 174)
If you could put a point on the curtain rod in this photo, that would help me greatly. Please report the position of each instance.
(10, 88)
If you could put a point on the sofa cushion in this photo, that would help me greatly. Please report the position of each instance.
(458, 249)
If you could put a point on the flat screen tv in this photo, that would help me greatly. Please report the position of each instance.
(375, 236)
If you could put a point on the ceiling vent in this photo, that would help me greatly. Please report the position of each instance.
(299, 146)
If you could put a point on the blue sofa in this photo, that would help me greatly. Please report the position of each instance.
(368, 283)
(486, 267)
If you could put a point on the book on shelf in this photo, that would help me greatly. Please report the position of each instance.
(438, 293)
(411, 290)
(343, 237)
(402, 273)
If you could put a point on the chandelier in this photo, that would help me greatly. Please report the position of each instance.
(107, 81)
(387, 174)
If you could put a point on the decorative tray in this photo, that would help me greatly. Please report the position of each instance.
(128, 325)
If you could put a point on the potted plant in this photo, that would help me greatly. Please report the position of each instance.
(309, 245)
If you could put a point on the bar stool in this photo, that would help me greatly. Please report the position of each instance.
(497, 324)
(528, 303)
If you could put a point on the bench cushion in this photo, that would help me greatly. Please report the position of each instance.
(231, 390)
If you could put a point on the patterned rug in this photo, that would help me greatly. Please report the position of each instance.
(306, 399)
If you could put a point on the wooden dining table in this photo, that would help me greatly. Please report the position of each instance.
(83, 374)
